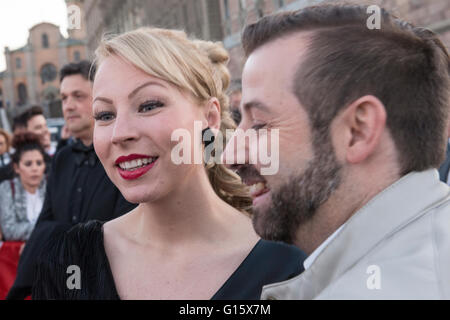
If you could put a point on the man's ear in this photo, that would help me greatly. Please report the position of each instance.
(364, 121)
(212, 113)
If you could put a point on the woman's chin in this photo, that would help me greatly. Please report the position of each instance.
(139, 197)
(135, 199)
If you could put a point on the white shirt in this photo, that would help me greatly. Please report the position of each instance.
(34, 206)
(309, 261)
(51, 151)
(5, 159)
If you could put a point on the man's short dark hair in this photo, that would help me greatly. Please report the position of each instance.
(31, 113)
(404, 66)
(84, 68)
(19, 122)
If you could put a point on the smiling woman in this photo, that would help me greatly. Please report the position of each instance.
(190, 236)
(164, 93)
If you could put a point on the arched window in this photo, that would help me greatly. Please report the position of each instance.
(227, 9)
(77, 56)
(227, 17)
(259, 5)
(45, 41)
(242, 12)
(22, 94)
(48, 73)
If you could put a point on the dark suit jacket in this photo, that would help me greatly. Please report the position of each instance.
(77, 191)
(445, 167)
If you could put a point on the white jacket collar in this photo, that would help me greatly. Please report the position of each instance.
(399, 204)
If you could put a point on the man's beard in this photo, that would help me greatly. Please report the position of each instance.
(297, 201)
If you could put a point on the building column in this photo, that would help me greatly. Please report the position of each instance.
(63, 59)
(8, 92)
(205, 22)
(31, 72)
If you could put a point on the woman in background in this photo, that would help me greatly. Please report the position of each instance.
(21, 198)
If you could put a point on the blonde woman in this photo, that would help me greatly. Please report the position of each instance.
(190, 236)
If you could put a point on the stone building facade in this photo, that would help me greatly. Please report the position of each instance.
(224, 19)
(31, 75)
(200, 18)
(434, 14)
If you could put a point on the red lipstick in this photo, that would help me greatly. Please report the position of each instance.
(131, 157)
(132, 175)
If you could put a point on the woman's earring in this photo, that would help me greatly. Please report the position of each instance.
(207, 138)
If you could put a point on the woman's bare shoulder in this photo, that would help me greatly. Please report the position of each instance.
(116, 233)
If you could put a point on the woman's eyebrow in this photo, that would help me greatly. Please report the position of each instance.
(103, 99)
(149, 83)
(133, 93)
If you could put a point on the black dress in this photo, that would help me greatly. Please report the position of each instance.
(82, 246)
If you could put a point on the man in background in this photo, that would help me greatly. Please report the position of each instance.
(37, 124)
